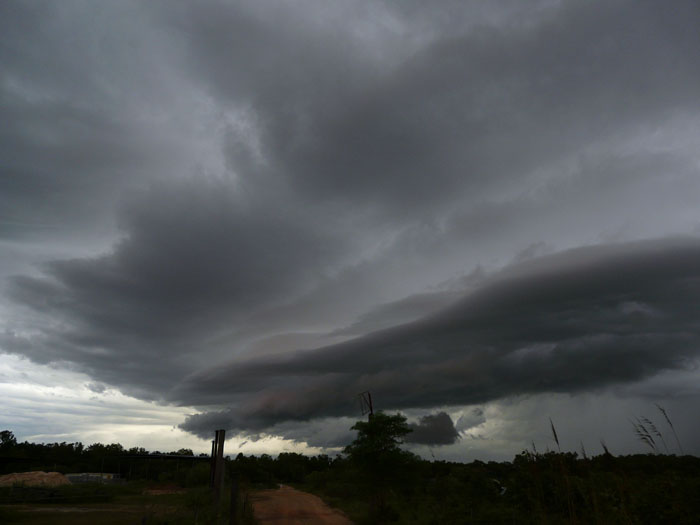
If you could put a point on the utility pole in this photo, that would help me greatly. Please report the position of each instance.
(216, 478)
(212, 466)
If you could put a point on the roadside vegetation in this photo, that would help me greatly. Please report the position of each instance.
(374, 481)
(378, 482)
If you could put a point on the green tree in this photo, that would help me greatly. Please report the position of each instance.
(380, 461)
(378, 440)
(7, 439)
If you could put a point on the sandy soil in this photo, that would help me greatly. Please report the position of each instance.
(293, 507)
(33, 479)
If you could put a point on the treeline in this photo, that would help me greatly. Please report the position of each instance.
(181, 467)
(376, 481)
(129, 463)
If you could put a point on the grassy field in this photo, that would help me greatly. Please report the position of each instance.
(374, 481)
(553, 488)
(136, 502)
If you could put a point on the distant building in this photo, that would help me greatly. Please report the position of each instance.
(95, 477)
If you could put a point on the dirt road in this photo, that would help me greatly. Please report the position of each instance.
(289, 506)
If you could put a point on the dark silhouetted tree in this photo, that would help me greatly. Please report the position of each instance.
(378, 440)
(377, 454)
(7, 439)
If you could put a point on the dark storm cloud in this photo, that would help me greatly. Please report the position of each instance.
(70, 140)
(164, 287)
(324, 433)
(320, 170)
(581, 320)
(433, 129)
(401, 311)
(433, 429)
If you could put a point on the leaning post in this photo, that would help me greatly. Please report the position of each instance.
(218, 465)
(212, 463)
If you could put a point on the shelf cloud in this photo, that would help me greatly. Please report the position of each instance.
(258, 210)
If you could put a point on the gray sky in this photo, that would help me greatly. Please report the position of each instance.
(241, 214)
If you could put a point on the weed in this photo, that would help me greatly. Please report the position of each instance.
(670, 424)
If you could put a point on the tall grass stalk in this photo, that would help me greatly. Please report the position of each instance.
(644, 436)
(668, 420)
(655, 430)
(554, 433)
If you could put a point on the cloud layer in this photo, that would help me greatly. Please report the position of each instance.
(433, 429)
(276, 207)
(581, 320)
